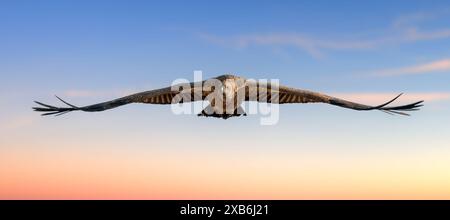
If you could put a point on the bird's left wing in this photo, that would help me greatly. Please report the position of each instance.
(169, 95)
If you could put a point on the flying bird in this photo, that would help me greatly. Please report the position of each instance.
(225, 94)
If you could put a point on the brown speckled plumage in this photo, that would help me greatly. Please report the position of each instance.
(252, 91)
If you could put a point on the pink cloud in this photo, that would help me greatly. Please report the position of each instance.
(96, 93)
(81, 93)
(435, 66)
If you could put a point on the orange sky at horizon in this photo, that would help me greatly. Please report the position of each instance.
(93, 174)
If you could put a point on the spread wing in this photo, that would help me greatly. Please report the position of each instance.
(284, 95)
(185, 93)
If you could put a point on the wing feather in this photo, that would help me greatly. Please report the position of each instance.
(186, 93)
(287, 95)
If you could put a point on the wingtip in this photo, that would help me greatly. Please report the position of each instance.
(60, 99)
(400, 110)
(385, 104)
(52, 110)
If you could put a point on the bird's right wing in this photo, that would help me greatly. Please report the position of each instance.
(180, 93)
(284, 95)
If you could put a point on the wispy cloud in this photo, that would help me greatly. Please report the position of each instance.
(311, 45)
(408, 26)
(434, 66)
(402, 30)
(417, 17)
(413, 34)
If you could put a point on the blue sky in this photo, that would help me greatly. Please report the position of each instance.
(91, 51)
(124, 44)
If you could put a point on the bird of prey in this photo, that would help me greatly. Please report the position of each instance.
(225, 91)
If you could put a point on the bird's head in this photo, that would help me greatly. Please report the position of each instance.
(229, 88)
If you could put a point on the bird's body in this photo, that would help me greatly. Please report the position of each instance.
(225, 101)
(225, 94)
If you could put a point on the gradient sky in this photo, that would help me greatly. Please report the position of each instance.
(92, 51)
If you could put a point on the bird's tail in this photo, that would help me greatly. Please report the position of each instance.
(209, 112)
